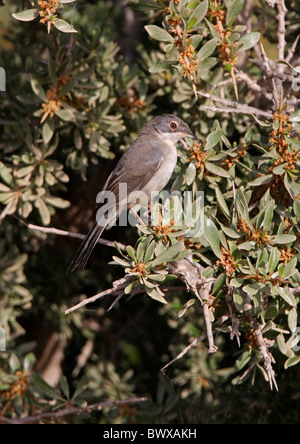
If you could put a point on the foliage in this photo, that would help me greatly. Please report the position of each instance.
(74, 94)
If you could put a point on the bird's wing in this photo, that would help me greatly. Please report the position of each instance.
(135, 168)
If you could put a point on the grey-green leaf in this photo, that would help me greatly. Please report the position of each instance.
(26, 16)
(159, 34)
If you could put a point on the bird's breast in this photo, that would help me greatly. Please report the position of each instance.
(162, 176)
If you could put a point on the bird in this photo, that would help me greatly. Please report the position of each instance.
(146, 166)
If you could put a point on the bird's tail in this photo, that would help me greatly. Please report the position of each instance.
(80, 259)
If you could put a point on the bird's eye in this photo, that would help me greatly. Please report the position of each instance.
(173, 125)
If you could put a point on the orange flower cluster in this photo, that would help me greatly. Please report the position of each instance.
(17, 388)
(277, 139)
(130, 102)
(187, 59)
(47, 10)
(240, 154)
(187, 55)
(198, 155)
(227, 262)
(287, 254)
(257, 235)
(140, 268)
(54, 103)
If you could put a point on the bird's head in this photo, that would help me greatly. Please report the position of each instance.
(170, 127)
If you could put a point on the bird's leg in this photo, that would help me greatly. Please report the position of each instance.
(141, 222)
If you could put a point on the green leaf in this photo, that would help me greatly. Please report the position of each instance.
(261, 180)
(218, 171)
(192, 22)
(219, 282)
(57, 202)
(44, 388)
(156, 293)
(286, 295)
(43, 210)
(162, 65)
(150, 251)
(292, 361)
(5, 174)
(222, 203)
(213, 139)
(38, 90)
(292, 319)
(249, 40)
(289, 269)
(198, 14)
(48, 130)
(63, 26)
(120, 261)
(144, 5)
(159, 34)
(169, 254)
(274, 259)
(81, 387)
(66, 114)
(207, 49)
(130, 250)
(64, 386)
(283, 238)
(26, 16)
(211, 234)
(234, 8)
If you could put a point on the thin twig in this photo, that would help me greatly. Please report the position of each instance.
(117, 286)
(50, 230)
(292, 50)
(70, 411)
(253, 85)
(235, 333)
(212, 348)
(184, 351)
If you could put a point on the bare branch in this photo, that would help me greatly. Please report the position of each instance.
(118, 287)
(233, 107)
(50, 230)
(189, 271)
(271, 3)
(253, 85)
(70, 411)
(263, 343)
(281, 30)
(235, 333)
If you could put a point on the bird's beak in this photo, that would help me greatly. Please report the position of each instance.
(191, 135)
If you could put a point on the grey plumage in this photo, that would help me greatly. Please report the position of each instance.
(147, 166)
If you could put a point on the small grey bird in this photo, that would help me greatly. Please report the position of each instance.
(146, 166)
